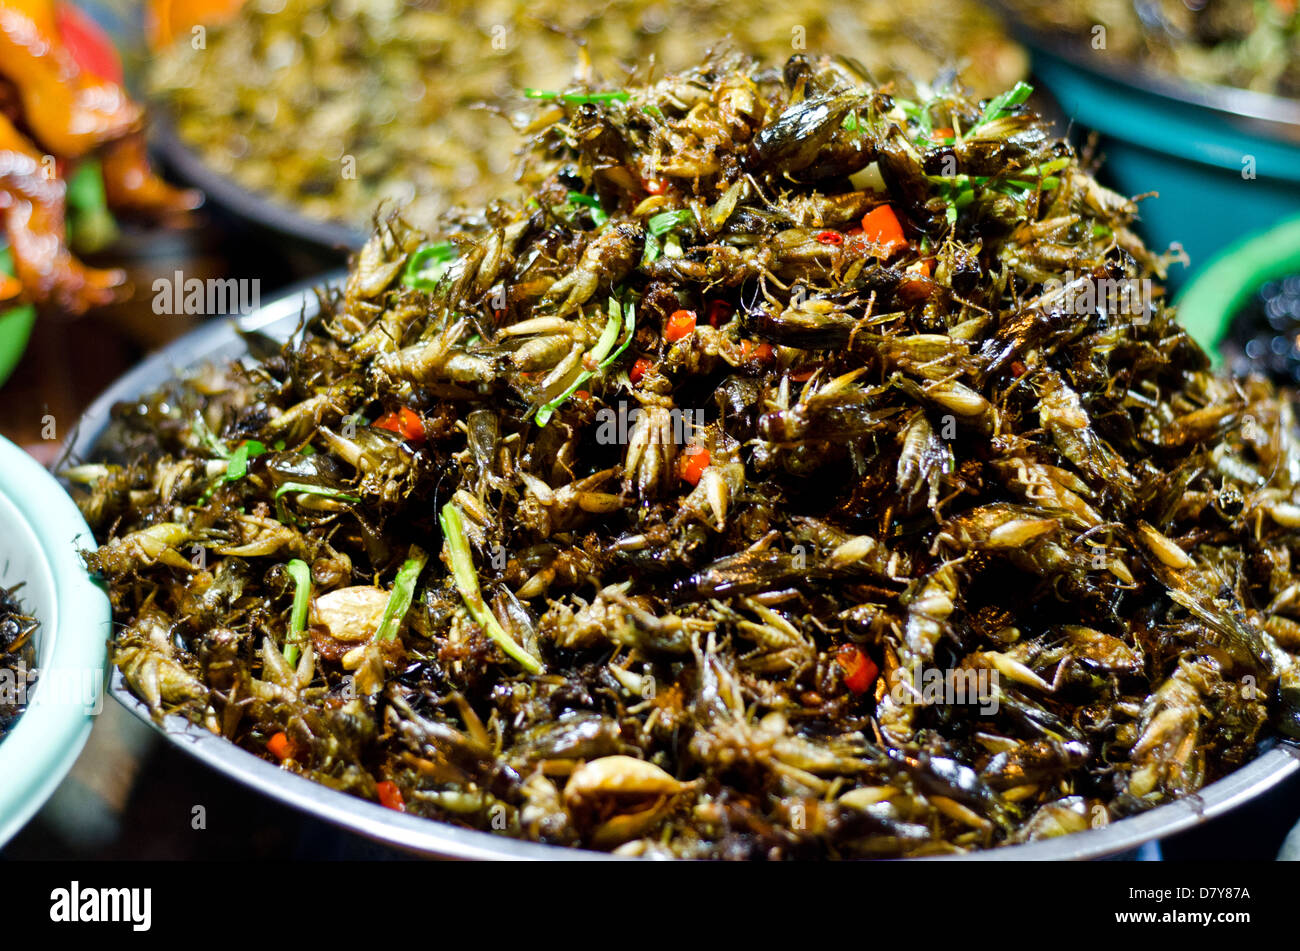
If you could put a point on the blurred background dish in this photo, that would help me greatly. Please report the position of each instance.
(72, 156)
(1246, 45)
(330, 108)
(1224, 160)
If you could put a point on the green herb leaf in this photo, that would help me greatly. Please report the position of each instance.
(1002, 105)
(918, 113)
(427, 266)
(237, 467)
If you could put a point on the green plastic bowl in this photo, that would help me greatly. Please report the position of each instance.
(15, 329)
(1207, 304)
(15, 324)
(41, 534)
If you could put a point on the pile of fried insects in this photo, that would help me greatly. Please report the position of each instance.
(17, 654)
(782, 477)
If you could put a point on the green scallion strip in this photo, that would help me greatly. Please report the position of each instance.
(598, 215)
(629, 331)
(1047, 168)
(1000, 107)
(399, 600)
(462, 572)
(282, 510)
(1016, 186)
(578, 98)
(301, 575)
(608, 336)
(597, 354)
(653, 249)
(307, 489)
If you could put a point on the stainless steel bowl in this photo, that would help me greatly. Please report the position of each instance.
(219, 341)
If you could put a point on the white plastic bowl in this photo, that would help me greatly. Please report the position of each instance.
(41, 534)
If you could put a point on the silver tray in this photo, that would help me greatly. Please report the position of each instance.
(218, 341)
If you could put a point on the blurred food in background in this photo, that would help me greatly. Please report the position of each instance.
(1194, 102)
(334, 106)
(71, 150)
(1250, 45)
(72, 154)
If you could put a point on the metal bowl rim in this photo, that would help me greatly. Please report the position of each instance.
(43, 744)
(430, 837)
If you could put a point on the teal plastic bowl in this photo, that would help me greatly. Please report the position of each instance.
(41, 534)
(1207, 304)
(1225, 162)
